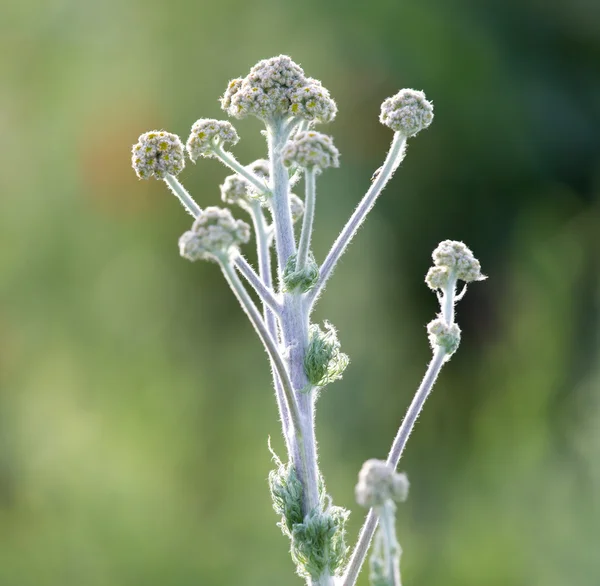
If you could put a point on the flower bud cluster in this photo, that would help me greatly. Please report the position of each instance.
(215, 235)
(378, 482)
(453, 260)
(317, 539)
(207, 134)
(443, 335)
(323, 361)
(408, 112)
(157, 154)
(278, 88)
(310, 150)
(304, 279)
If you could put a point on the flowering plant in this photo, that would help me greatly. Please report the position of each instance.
(304, 356)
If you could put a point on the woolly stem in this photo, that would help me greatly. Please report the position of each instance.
(230, 161)
(294, 331)
(270, 345)
(307, 221)
(408, 423)
(182, 194)
(391, 163)
(264, 292)
(264, 269)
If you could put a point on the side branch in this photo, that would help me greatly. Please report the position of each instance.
(270, 345)
(265, 294)
(370, 524)
(264, 270)
(187, 201)
(393, 159)
(230, 161)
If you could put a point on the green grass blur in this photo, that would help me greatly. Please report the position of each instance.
(135, 403)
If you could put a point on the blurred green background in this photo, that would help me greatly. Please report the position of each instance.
(135, 403)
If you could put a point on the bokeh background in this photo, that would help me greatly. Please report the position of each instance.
(135, 403)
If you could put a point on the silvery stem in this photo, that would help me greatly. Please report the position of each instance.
(264, 270)
(307, 221)
(230, 161)
(408, 423)
(294, 330)
(268, 342)
(392, 160)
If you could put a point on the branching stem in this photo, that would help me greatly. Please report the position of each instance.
(393, 159)
(368, 528)
(268, 342)
(230, 161)
(265, 293)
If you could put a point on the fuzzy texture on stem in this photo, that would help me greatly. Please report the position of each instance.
(268, 342)
(391, 163)
(303, 356)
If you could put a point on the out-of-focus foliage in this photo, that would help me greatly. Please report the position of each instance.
(135, 403)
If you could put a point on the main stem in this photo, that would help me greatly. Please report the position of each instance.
(294, 331)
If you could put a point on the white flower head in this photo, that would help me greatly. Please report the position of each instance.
(157, 154)
(278, 88)
(310, 150)
(408, 112)
(208, 133)
(215, 235)
(458, 259)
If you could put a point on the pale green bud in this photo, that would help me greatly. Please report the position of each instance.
(379, 482)
(157, 154)
(443, 335)
(323, 361)
(408, 112)
(302, 280)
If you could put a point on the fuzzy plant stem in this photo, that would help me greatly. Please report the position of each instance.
(270, 345)
(391, 549)
(307, 222)
(187, 201)
(294, 331)
(391, 163)
(230, 161)
(264, 292)
(408, 423)
(264, 270)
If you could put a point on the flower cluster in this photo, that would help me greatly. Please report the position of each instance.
(452, 260)
(207, 134)
(379, 482)
(278, 88)
(408, 112)
(157, 154)
(443, 335)
(311, 150)
(215, 235)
